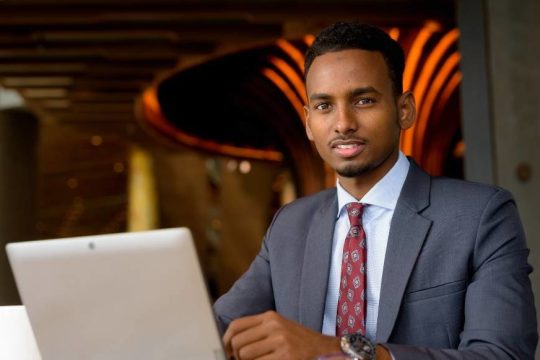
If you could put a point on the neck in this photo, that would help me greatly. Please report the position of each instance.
(358, 190)
(359, 186)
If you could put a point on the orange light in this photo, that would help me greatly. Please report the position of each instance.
(309, 39)
(432, 161)
(416, 50)
(292, 51)
(285, 89)
(153, 114)
(293, 76)
(435, 90)
(409, 137)
(433, 60)
(449, 89)
(394, 33)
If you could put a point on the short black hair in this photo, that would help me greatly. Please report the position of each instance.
(354, 35)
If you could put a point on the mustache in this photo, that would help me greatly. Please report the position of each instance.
(341, 139)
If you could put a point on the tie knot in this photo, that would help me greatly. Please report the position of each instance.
(355, 211)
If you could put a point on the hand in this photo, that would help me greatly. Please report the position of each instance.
(270, 336)
(382, 353)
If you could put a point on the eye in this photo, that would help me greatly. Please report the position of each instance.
(322, 106)
(365, 101)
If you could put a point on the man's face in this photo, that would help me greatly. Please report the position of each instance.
(353, 115)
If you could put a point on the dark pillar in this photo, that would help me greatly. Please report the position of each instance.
(475, 92)
(18, 170)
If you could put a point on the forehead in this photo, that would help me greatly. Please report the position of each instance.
(348, 69)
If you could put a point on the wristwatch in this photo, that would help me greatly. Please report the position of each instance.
(358, 347)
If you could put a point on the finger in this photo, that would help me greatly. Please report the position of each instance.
(254, 350)
(262, 340)
(238, 326)
(241, 324)
(252, 342)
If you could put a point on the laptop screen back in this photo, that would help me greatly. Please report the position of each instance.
(119, 296)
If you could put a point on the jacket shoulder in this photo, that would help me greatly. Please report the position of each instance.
(324, 196)
(302, 209)
(463, 189)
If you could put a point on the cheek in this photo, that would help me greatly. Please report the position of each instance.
(316, 129)
(386, 131)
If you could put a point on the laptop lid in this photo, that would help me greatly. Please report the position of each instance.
(18, 340)
(120, 296)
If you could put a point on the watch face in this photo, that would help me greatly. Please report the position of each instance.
(358, 347)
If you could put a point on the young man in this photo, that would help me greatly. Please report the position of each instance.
(391, 261)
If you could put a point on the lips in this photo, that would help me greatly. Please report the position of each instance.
(348, 148)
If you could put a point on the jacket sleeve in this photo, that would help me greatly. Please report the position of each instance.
(252, 293)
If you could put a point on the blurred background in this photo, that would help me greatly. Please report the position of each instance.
(131, 115)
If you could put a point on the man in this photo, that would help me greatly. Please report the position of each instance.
(445, 274)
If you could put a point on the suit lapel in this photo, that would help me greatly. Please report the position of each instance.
(316, 264)
(408, 231)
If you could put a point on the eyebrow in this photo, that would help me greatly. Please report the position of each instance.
(364, 90)
(354, 92)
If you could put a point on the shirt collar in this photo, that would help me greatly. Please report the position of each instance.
(385, 192)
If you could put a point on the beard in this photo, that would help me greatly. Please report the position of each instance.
(352, 170)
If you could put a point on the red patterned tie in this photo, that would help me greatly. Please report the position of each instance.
(351, 310)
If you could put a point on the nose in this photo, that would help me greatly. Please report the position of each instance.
(345, 121)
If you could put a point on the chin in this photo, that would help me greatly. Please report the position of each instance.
(353, 170)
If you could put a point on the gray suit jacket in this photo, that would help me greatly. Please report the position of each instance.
(455, 283)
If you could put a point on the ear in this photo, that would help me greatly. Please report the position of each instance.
(406, 110)
(308, 129)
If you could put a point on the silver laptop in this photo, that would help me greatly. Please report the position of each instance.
(120, 296)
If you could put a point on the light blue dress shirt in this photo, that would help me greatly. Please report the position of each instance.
(382, 199)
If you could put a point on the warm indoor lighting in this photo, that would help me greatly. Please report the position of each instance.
(244, 167)
(118, 167)
(36, 81)
(45, 93)
(459, 150)
(96, 140)
(56, 104)
(232, 165)
(152, 113)
(72, 183)
(394, 33)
